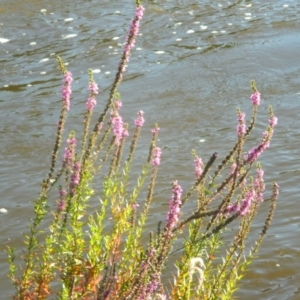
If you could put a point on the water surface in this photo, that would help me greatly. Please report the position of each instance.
(190, 70)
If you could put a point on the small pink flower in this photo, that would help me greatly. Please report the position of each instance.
(276, 191)
(135, 206)
(155, 130)
(118, 104)
(100, 126)
(273, 121)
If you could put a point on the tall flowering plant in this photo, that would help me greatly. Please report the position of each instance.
(107, 252)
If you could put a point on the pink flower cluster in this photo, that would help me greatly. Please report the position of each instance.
(134, 28)
(198, 167)
(93, 88)
(252, 195)
(152, 285)
(66, 89)
(156, 156)
(73, 166)
(155, 130)
(244, 206)
(69, 154)
(259, 185)
(273, 121)
(174, 206)
(91, 101)
(255, 98)
(119, 129)
(118, 104)
(246, 202)
(255, 152)
(75, 177)
(139, 122)
(61, 202)
(241, 127)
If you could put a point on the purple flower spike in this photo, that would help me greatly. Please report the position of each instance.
(93, 87)
(156, 156)
(153, 285)
(255, 152)
(75, 178)
(69, 154)
(119, 129)
(66, 89)
(255, 98)
(242, 208)
(246, 202)
(139, 122)
(232, 208)
(68, 78)
(61, 205)
(259, 185)
(139, 12)
(61, 202)
(174, 206)
(241, 127)
(133, 32)
(90, 103)
(198, 167)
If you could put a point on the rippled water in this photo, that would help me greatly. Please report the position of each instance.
(189, 72)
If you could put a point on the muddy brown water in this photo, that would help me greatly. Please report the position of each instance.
(189, 72)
